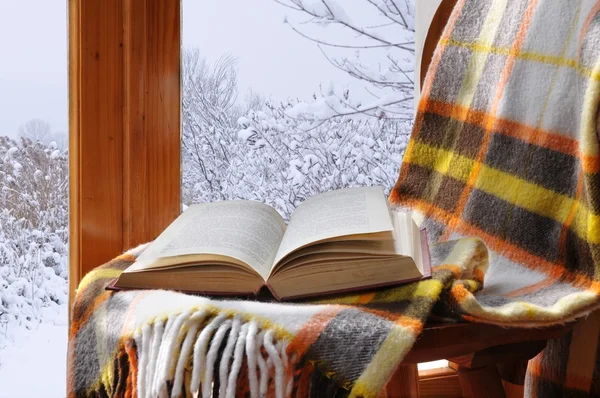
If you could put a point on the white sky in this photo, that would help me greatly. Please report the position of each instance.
(33, 63)
(272, 59)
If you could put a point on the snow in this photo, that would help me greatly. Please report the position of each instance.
(34, 365)
(33, 269)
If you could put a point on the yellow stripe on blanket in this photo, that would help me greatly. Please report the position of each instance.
(97, 274)
(547, 59)
(530, 196)
(440, 160)
(389, 355)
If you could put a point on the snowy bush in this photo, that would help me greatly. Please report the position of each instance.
(285, 162)
(271, 153)
(33, 233)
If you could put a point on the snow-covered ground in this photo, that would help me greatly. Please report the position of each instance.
(34, 364)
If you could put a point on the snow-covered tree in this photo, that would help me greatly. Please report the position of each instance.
(35, 130)
(257, 149)
(371, 40)
(209, 114)
(33, 232)
(285, 163)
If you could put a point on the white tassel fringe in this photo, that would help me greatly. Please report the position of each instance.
(191, 342)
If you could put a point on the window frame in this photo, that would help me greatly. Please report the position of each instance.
(124, 127)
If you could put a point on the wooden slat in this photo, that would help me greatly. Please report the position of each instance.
(74, 153)
(95, 130)
(439, 383)
(124, 96)
(152, 192)
(404, 383)
(445, 341)
(481, 382)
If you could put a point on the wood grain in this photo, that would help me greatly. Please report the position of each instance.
(439, 383)
(445, 341)
(513, 390)
(124, 96)
(74, 153)
(404, 382)
(95, 130)
(152, 139)
(481, 382)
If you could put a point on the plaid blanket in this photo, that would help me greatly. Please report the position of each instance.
(506, 148)
(160, 343)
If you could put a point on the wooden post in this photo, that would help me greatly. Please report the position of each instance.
(124, 128)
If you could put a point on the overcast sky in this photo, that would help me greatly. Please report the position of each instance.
(272, 59)
(33, 63)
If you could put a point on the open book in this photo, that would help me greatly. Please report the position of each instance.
(337, 241)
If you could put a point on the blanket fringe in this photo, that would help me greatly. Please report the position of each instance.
(212, 349)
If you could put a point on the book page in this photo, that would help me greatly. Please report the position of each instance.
(246, 230)
(336, 213)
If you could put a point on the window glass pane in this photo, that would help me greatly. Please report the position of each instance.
(284, 99)
(33, 198)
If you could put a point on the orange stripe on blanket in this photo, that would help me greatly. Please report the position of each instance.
(590, 164)
(365, 298)
(131, 388)
(126, 257)
(312, 330)
(414, 325)
(510, 128)
(478, 275)
(459, 293)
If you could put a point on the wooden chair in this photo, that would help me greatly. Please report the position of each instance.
(489, 361)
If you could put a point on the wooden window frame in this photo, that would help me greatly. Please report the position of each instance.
(124, 126)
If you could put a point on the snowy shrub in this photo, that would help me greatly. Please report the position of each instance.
(33, 233)
(284, 162)
(271, 153)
